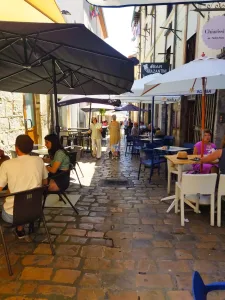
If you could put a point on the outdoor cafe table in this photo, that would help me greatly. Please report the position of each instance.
(149, 139)
(41, 151)
(180, 163)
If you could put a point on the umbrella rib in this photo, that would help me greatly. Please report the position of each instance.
(11, 75)
(79, 82)
(63, 72)
(8, 45)
(33, 47)
(44, 56)
(85, 50)
(97, 71)
(11, 45)
(11, 62)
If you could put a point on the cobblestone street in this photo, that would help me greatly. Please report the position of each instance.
(122, 246)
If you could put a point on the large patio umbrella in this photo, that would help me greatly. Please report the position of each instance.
(200, 74)
(96, 107)
(128, 107)
(60, 58)
(121, 3)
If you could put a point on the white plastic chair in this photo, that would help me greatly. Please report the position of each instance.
(171, 170)
(196, 184)
(221, 192)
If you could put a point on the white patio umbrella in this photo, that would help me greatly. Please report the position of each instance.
(201, 74)
(122, 3)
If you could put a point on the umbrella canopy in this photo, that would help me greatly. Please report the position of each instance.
(121, 3)
(102, 99)
(187, 78)
(149, 99)
(96, 107)
(45, 58)
(128, 107)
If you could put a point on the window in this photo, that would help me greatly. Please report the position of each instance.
(169, 9)
(190, 48)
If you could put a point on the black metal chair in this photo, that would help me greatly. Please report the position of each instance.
(129, 144)
(27, 209)
(73, 160)
(61, 194)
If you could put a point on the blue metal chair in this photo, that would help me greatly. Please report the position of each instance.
(129, 143)
(189, 145)
(137, 147)
(200, 290)
(168, 140)
(149, 159)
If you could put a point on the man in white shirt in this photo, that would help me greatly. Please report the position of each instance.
(22, 173)
(96, 138)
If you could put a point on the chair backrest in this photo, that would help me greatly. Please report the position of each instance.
(27, 206)
(221, 187)
(73, 156)
(200, 290)
(198, 183)
(168, 140)
(13, 153)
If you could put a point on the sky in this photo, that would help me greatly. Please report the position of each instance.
(118, 23)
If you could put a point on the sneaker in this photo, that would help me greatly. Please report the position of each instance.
(20, 234)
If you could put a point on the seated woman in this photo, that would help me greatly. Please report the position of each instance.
(134, 130)
(59, 175)
(217, 155)
(208, 149)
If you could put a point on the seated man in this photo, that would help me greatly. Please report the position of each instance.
(134, 130)
(22, 173)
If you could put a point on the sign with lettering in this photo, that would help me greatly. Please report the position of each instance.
(213, 33)
(152, 68)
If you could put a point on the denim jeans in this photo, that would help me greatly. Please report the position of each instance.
(7, 217)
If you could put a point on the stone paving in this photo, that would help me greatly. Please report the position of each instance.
(123, 245)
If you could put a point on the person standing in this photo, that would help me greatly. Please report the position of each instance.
(96, 138)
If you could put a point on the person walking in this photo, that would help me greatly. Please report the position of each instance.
(114, 140)
(96, 138)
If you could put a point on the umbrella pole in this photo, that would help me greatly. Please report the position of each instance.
(139, 118)
(57, 127)
(89, 123)
(152, 116)
(203, 118)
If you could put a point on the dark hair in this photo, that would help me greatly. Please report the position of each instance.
(56, 145)
(24, 143)
(158, 128)
(207, 131)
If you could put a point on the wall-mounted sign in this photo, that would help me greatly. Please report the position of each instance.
(213, 33)
(152, 68)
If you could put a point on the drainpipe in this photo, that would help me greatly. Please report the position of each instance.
(185, 34)
(175, 38)
(154, 35)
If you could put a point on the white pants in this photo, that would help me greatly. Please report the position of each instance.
(97, 147)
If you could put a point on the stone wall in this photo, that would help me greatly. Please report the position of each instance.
(11, 119)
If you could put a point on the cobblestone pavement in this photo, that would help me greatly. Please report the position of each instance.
(123, 245)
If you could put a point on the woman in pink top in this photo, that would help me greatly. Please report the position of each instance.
(208, 149)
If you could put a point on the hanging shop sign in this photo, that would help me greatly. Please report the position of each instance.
(152, 68)
(213, 33)
(120, 3)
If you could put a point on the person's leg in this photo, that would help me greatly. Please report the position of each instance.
(9, 219)
(94, 147)
(53, 187)
(99, 148)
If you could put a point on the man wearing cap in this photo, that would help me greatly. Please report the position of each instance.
(22, 173)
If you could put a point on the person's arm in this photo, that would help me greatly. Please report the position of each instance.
(212, 157)
(54, 168)
(44, 175)
(46, 160)
(195, 152)
(3, 177)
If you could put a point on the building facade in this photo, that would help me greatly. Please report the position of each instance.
(80, 11)
(173, 34)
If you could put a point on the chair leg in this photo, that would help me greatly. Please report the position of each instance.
(61, 198)
(48, 235)
(139, 171)
(219, 210)
(151, 173)
(76, 211)
(77, 176)
(80, 169)
(44, 200)
(212, 210)
(6, 253)
(169, 183)
(176, 198)
(182, 209)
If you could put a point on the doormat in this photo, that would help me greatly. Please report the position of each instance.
(114, 182)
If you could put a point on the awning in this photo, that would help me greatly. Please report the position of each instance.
(100, 99)
(40, 11)
(121, 3)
